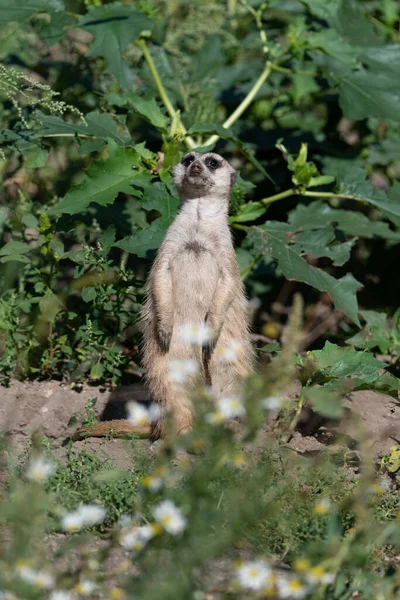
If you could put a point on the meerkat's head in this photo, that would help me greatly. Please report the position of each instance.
(206, 174)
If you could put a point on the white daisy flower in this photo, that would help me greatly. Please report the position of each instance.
(229, 354)
(86, 515)
(72, 521)
(170, 517)
(272, 402)
(317, 575)
(197, 335)
(253, 575)
(44, 580)
(291, 588)
(92, 514)
(179, 370)
(39, 469)
(61, 595)
(136, 537)
(140, 415)
(85, 587)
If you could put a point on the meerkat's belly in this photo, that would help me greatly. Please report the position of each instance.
(195, 276)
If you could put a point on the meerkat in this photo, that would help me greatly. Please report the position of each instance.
(194, 282)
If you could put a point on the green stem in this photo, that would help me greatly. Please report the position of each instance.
(251, 265)
(162, 91)
(295, 420)
(279, 196)
(275, 67)
(243, 105)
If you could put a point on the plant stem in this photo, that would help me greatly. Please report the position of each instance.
(243, 105)
(295, 420)
(189, 141)
(300, 192)
(279, 196)
(275, 67)
(251, 265)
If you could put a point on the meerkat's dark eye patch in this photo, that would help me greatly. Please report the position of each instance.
(212, 163)
(187, 160)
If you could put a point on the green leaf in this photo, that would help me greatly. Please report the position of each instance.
(273, 239)
(331, 42)
(99, 125)
(104, 180)
(60, 23)
(249, 212)
(147, 109)
(22, 10)
(376, 332)
(319, 214)
(113, 27)
(345, 362)
(324, 402)
(14, 248)
(155, 197)
(107, 238)
(97, 371)
(88, 294)
(354, 182)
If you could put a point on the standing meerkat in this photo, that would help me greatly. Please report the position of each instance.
(194, 283)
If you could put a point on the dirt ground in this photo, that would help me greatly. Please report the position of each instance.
(48, 406)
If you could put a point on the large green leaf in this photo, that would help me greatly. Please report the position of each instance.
(346, 362)
(155, 197)
(104, 180)
(147, 109)
(274, 239)
(320, 215)
(353, 181)
(22, 10)
(99, 125)
(114, 26)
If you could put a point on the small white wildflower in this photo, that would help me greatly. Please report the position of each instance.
(227, 408)
(39, 469)
(44, 580)
(291, 588)
(170, 517)
(154, 484)
(61, 595)
(198, 335)
(86, 515)
(125, 520)
(254, 303)
(92, 514)
(72, 521)
(86, 587)
(136, 537)
(272, 402)
(229, 354)
(138, 414)
(253, 575)
(317, 575)
(26, 573)
(179, 370)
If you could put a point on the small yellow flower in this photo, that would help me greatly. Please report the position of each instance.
(117, 593)
(323, 506)
(238, 459)
(301, 565)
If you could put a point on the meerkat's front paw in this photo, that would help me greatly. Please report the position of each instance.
(164, 337)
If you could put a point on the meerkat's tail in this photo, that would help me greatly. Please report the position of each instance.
(120, 428)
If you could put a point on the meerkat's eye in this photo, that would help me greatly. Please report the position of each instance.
(212, 163)
(187, 160)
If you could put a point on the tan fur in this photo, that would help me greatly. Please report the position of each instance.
(118, 428)
(195, 279)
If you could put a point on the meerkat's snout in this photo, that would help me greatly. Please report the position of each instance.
(196, 168)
